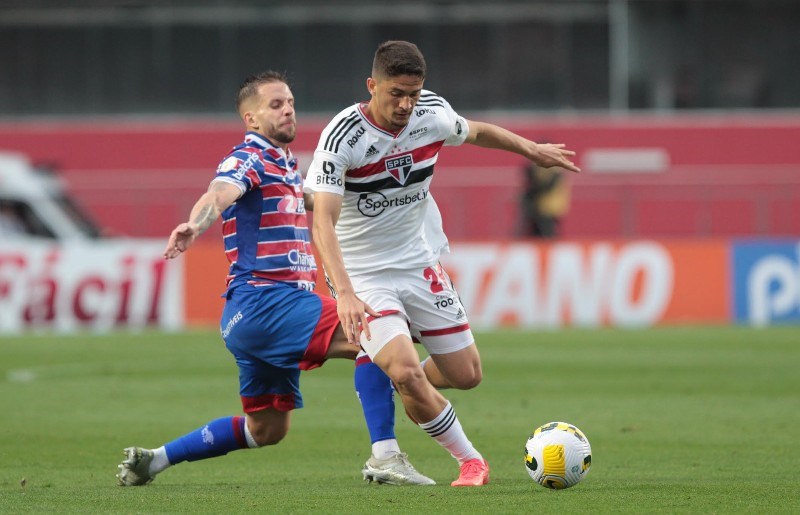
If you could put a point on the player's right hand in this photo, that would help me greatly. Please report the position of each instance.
(181, 239)
(353, 316)
(554, 154)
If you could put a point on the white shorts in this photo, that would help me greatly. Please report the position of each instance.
(426, 299)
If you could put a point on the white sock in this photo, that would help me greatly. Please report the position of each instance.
(160, 461)
(251, 442)
(447, 431)
(384, 449)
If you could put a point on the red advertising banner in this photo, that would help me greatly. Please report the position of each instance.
(206, 267)
(94, 286)
(127, 284)
(533, 285)
(702, 291)
(594, 283)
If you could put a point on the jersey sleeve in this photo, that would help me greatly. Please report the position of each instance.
(330, 163)
(456, 126)
(239, 169)
(326, 172)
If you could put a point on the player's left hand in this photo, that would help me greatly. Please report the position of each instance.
(554, 154)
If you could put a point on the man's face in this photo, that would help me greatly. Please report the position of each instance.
(393, 99)
(271, 113)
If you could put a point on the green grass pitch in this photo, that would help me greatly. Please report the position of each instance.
(693, 420)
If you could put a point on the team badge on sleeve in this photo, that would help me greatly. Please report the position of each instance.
(229, 164)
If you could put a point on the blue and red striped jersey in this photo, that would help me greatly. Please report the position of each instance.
(266, 231)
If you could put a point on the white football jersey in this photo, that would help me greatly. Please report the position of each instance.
(389, 218)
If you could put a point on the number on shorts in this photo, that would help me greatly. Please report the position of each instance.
(436, 276)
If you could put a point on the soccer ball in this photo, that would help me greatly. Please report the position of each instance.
(558, 455)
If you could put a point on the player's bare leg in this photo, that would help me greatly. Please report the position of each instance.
(386, 464)
(267, 427)
(425, 404)
(460, 369)
(340, 347)
(400, 361)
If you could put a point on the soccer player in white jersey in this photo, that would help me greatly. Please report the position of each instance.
(379, 233)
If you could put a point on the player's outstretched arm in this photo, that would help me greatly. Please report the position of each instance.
(206, 210)
(543, 154)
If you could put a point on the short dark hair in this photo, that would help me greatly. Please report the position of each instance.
(250, 85)
(395, 58)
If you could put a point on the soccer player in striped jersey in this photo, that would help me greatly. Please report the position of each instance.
(379, 233)
(272, 323)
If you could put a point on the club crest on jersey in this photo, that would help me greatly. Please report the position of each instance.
(229, 164)
(418, 133)
(400, 167)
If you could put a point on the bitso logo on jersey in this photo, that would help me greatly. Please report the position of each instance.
(399, 167)
(329, 175)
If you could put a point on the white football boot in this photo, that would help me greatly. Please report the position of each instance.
(134, 469)
(396, 470)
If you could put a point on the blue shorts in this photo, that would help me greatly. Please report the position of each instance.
(274, 332)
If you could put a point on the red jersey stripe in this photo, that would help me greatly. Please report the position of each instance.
(274, 248)
(277, 190)
(285, 274)
(252, 175)
(287, 219)
(385, 312)
(232, 255)
(418, 154)
(446, 330)
(229, 227)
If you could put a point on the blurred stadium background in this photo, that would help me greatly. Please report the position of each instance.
(686, 118)
(685, 115)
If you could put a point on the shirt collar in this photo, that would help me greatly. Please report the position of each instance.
(264, 143)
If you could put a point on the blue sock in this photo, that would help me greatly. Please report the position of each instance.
(216, 438)
(377, 399)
